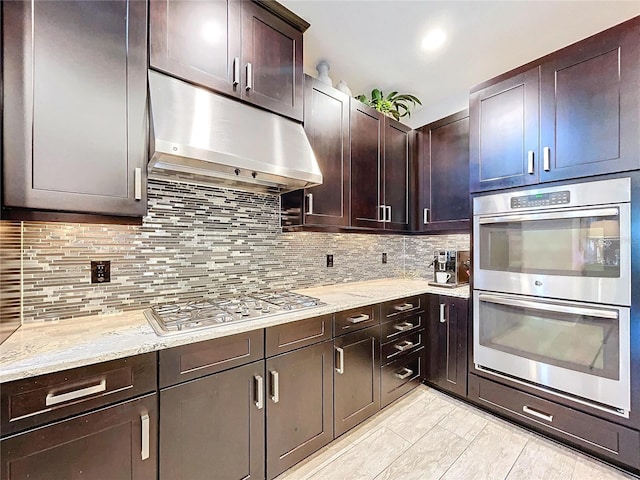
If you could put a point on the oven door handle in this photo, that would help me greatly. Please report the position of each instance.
(591, 312)
(599, 212)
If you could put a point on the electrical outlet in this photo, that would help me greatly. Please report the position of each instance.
(100, 271)
(329, 260)
(384, 258)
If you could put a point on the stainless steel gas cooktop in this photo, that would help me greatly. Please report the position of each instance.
(177, 318)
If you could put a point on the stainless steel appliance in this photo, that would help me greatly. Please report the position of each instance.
(451, 268)
(552, 290)
(569, 242)
(176, 318)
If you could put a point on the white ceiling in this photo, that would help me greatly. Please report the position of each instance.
(371, 43)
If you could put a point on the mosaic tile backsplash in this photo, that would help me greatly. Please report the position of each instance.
(201, 241)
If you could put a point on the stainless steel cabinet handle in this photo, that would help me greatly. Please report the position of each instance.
(406, 373)
(340, 367)
(309, 203)
(259, 394)
(443, 317)
(425, 215)
(535, 413)
(546, 158)
(236, 71)
(249, 77)
(383, 211)
(406, 345)
(137, 184)
(549, 307)
(363, 317)
(388, 208)
(530, 162)
(53, 399)
(404, 326)
(144, 451)
(275, 386)
(403, 307)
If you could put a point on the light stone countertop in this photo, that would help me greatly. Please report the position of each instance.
(40, 348)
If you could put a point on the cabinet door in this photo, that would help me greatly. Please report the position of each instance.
(214, 425)
(326, 122)
(299, 405)
(367, 157)
(198, 41)
(356, 378)
(108, 443)
(503, 133)
(443, 173)
(272, 60)
(75, 122)
(396, 174)
(447, 354)
(590, 99)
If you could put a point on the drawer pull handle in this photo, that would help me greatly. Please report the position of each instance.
(340, 367)
(406, 345)
(537, 414)
(275, 386)
(53, 399)
(404, 373)
(363, 317)
(249, 85)
(403, 327)
(546, 155)
(144, 420)
(236, 71)
(309, 203)
(404, 307)
(443, 317)
(259, 382)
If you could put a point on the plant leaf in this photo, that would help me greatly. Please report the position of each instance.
(391, 96)
(376, 94)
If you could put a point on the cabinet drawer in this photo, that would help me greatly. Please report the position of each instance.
(195, 360)
(287, 337)
(401, 326)
(355, 319)
(402, 307)
(402, 346)
(598, 436)
(43, 399)
(401, 376)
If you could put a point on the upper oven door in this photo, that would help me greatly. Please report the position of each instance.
(573, 253)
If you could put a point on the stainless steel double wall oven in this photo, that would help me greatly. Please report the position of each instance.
(552, 290)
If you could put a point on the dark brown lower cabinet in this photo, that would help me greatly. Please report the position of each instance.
(114, 443)
(213, 427)
(356, 378)
(447, 345)
(299, 405)
(594, 435)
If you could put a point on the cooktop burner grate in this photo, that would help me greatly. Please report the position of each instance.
(176, 318)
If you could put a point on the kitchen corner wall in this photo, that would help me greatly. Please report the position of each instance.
(201, 241)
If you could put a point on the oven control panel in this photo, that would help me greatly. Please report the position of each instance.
(541, 199)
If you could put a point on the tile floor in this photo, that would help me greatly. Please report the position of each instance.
(428, 435)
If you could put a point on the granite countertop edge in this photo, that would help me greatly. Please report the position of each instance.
(47, 347)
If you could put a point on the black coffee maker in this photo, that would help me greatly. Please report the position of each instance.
(451, 268)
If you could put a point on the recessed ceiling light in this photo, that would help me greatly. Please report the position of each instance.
(434, 39)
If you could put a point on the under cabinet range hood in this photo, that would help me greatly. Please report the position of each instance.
(202, 137)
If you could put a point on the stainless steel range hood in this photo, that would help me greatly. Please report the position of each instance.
(203, 137)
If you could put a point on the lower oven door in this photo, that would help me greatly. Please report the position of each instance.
(578, 349)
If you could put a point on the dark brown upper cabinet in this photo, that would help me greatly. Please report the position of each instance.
(571, 114)
(326, 123)
(75, 120)
(249, 50)
(380, 156)
(441, 179)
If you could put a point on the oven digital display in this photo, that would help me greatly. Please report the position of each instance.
(541, 199)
